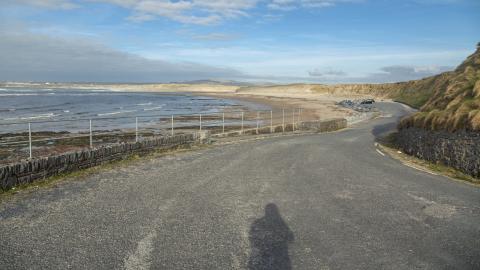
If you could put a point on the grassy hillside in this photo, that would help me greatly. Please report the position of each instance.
(452, 99)
(413, 93)
(448, 101)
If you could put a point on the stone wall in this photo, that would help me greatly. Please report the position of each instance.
(460, 150)
(36, 169)
(324, 126)
(41, 168)
(316, 126)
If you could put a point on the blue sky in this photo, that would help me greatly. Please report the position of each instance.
(325, 41)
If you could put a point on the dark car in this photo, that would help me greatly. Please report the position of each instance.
(368, 101)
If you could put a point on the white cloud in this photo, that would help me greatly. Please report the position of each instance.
(215, 37)
(283, 4)
(387, 74)
(404, 73)
(51, 4)
(202, 12)
(30, 56)
(294, 4)
(326, 73)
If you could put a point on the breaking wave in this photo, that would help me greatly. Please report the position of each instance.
(114, 113)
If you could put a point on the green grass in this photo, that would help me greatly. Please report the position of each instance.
(413, 99)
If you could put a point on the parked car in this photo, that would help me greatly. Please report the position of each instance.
(368, 101)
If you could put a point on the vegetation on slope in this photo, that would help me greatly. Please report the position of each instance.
(453, 99)
(448, 101)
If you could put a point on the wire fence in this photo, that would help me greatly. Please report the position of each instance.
(44, 138)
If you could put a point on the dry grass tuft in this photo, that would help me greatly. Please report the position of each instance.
(455, 101)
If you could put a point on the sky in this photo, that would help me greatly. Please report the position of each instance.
(279, 41)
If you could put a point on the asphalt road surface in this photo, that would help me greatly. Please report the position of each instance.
(326, 201)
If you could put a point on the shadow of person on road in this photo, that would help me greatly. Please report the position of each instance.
(269, 239)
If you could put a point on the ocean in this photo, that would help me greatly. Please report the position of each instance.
(70, 110)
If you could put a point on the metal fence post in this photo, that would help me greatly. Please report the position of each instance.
(136, 129)
(200, 122)
(91, 135)
(172, 124)
(283, 120)
(30, 139)
(258, 121)
(242, 121)
(271, 121)
(223, 122)
(293, 119)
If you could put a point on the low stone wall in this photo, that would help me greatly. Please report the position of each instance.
(36, 169)
(324, 126)
(460, 150)
(316, 126)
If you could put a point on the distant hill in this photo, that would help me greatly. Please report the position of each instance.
(213, 82)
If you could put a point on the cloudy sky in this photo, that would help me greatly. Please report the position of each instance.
(326, 41)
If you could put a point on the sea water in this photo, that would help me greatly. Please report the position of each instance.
(71, 109)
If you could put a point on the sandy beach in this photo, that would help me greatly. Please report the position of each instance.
(316, 101)
(288, 103)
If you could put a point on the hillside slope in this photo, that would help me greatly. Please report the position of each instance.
(454, 99)
(448, 101)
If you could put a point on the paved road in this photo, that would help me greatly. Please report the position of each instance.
(328, 201)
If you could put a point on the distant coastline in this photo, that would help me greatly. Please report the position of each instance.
(317, 99)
